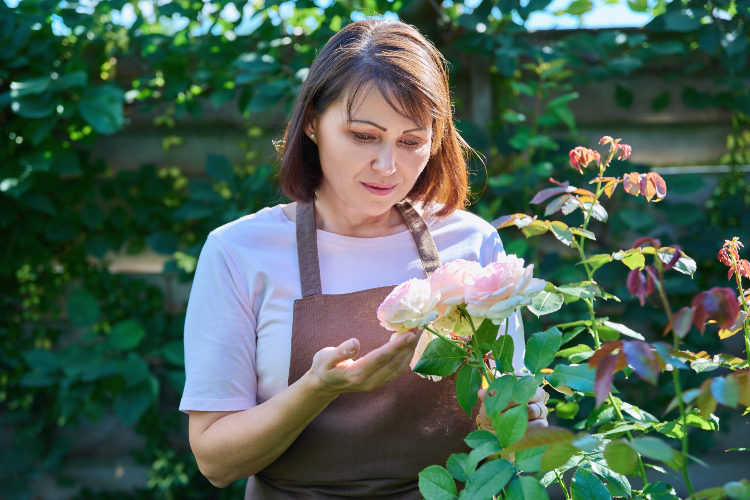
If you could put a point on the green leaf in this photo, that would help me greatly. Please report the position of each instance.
(83, 308)
(126, 335)
(511, 425)
(435, 483)
(92, 216)
(40, 360)
(468, 382)
(660, 102)
(504, 392)
(101, 107)
(584, 292)
(525, 488)
(620, 457)
(659, 491)
(131, 404)
(541, 349)
(623, 97)
(163, 242)
(557, 455)
(41, 129)
(76, 360)
(586, 486)
(685, 264)
(726, 391)
(530, 460)
(440, 358)
(39, 202)
(597, 261)
(635, 260)
(737, 490)
(220, 168)
(488, 480)
(525, 388)
(477, 438)
(174, 352)
(502, 352)
(487, 332)
(566, 353)
(653, 447)
(618, 480)
(546, 303)
(579, 7)
(577, 377)
(457, 466)
(623, 330)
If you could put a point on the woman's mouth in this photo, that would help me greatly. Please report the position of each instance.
(379, 189)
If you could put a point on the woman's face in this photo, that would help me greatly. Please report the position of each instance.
(372, 162)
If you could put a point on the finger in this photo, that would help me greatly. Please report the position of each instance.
(537, 424)
(345, 351)
(396, 366)
(403, 368)
(379, 357)
(481, 394)
(536, 411)
(538, 396)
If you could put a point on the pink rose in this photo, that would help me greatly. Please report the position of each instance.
(501, 288)
(449, 281)
(410, 305)
(425, 339)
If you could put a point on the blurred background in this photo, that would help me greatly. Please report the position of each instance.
(132, 129)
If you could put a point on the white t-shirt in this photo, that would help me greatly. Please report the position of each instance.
(238, 326)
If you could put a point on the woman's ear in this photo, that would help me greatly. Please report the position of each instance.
(310, 125)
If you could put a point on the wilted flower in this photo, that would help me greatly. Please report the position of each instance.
(448, 281)
(500, 288)
(580, 157)
(640, 284)
(719, 304)
(410, 305)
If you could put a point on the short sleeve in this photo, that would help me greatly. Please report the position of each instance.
(220, 341)
(494, 249)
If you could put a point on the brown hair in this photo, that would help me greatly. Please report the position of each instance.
(402, 64)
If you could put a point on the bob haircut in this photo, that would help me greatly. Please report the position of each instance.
(411, 75)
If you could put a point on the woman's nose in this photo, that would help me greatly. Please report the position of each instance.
(385, 163)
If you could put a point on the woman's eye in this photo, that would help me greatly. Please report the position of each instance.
(362, 137)
(411, 144)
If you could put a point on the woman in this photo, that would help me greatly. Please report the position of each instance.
(290, 378)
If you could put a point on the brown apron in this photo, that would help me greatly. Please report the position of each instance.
(363, 445)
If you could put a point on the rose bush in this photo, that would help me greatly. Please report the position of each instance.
(616, 439)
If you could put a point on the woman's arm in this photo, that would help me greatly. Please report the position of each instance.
(232, 445)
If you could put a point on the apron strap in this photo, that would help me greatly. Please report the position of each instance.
(428, 252)
(307, 245)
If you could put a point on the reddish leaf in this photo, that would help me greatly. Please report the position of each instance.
(743, 381)
(608, 140)
(584, 192)
(637, 285)
(719, 304)
(625, 151)
(518, 220)
(675, 256)
(561, 184)
(725, 256)
(541, 436)
(632, 183)
(683, 321)
(646, 239)
(745, 268)
(643, 359)
(606, 350)
(547, 193)
(652, 184)
(605, 373)
(580, 157)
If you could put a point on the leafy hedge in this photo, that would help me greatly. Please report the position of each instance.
(78, 342)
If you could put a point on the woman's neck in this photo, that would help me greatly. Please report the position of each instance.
(337, 218)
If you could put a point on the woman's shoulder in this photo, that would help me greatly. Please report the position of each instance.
(260, 231)
(459, 220)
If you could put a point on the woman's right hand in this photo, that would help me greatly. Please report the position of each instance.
(338, 372)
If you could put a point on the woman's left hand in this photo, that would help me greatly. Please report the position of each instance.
(536, 409)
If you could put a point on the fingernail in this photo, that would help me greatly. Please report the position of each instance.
(412, 338)
(350, 346)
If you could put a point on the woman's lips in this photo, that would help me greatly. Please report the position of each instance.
(379, 189)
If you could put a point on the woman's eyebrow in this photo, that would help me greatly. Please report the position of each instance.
(420, 129)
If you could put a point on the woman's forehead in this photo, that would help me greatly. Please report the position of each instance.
(368, 103)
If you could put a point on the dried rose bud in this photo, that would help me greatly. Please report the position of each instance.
(719, 304)
(580, 157)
